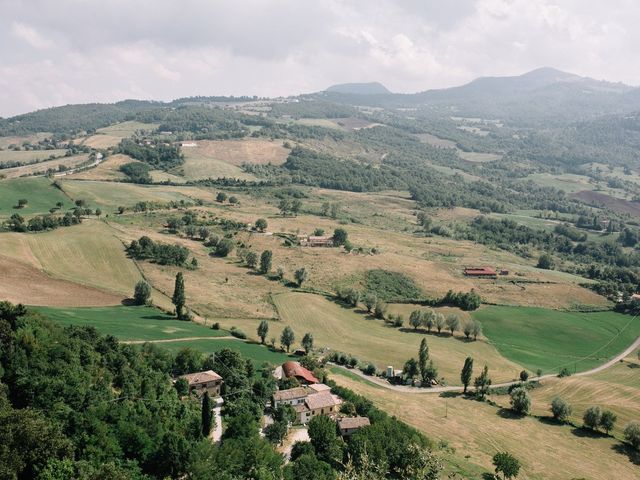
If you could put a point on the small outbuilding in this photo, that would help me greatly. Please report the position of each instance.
(350, 425)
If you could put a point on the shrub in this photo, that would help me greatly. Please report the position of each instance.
(236, 332)
(224, 247)
(520, 401)
(370, 369)
(524, 376)
(564, 372)
(591, 417)
(632, 434)
(142, 293)
(560, 409)
(388, 285)
(215, 326)
(380, 310)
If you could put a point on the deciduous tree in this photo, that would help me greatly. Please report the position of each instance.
(287, 337)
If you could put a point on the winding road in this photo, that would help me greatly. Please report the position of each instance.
(416, 390)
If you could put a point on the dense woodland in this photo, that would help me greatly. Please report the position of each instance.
(76, 404)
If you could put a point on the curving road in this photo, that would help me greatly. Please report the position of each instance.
(406, 389)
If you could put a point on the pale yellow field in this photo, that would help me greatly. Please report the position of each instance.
(108, 169)
(223, 158)
(41, 167)
(616, 389)
(478, 431)
(28, 155)
(88, 254)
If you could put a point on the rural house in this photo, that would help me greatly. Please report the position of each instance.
(480, 272)
(317, 241)
(321, 403)
(200, 382)
(350, 425)
(291, 396)
(308, 401)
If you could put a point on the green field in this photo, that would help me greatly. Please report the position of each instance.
(551, 339)
(39, 192)
(130, 323)
(151, 324)
(257, 353)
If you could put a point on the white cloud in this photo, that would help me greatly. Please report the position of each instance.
(30, 35)
(163, 49)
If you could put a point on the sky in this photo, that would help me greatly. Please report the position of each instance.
(56, 52)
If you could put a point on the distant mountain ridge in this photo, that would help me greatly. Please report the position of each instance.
(370, 88)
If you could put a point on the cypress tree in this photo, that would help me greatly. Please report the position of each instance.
(206, 415)
(178, 298)
(467, 372)
(423, 358)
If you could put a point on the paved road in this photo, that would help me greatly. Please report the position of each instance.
(407, 389)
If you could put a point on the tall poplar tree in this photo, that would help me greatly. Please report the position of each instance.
(178, 298)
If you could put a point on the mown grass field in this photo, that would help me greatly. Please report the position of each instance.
(346, 330)
(39, 192)
(550, 339)
(29, 155)
(110, 195)
(616, 388)
(223, 158)
(477, 431)
(130, 322)
(88, 254)
(41, 168)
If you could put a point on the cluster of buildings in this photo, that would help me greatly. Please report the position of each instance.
(310, 399)
(313, 398)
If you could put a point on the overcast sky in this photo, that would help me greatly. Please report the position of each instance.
(54, 52)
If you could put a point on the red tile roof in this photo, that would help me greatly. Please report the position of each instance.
(294, 369)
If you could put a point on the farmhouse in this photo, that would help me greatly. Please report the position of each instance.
(350, 425)
(308, 401)
(291, 396)
(480, 272)
(316, 240)
(207, 381)
(322, 403)
(295, 370)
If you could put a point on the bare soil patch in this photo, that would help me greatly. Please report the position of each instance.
(616, 204)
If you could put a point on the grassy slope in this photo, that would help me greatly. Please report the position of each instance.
(110, 195)
(549, 339)
(38, 191)
(345, 330)
(614, 389)
(130, 323)
(478, 430)
(29, 155)
(88, 254)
